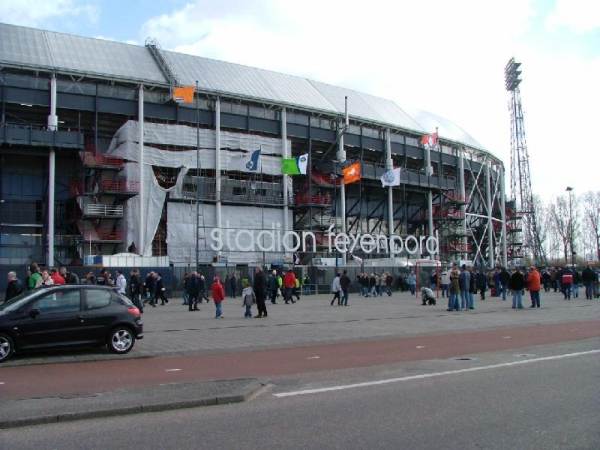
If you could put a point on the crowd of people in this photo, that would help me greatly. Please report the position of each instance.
(459, 285)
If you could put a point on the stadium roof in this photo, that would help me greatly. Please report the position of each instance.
(64, 53)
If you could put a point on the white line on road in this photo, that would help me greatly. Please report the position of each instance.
(420, 346)
(173, 370)
(432, 375)
(1, 382)
(314, 357)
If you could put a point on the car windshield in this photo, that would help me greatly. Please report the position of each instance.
(18, 301)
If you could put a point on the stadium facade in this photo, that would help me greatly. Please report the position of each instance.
(96, 158)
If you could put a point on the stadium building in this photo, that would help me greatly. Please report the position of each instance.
(104, 150)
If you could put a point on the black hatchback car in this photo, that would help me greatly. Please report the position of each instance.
(72, 315)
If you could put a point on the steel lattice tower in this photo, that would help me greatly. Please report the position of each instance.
(520, 178)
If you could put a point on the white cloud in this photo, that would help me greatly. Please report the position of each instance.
(446, 57)
(579, 16)
(35, 13)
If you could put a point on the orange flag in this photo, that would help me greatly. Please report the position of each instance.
(184, 94)
(351, 173)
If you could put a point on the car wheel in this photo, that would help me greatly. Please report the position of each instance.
(121, 340)
(6, 347)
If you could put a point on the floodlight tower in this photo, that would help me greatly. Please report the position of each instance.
(520, 178)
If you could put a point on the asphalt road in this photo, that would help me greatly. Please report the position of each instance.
(547, 403)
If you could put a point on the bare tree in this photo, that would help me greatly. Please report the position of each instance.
(591, 217)
(561, 221)
(542, 226)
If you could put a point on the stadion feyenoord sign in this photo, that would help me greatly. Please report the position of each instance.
(277, 240)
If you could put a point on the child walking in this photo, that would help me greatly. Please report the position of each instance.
(248, 298)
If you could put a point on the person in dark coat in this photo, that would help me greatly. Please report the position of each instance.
(150, 289)
(192, 288)
(504, 282)
(260, 290)
(160, 291)
(588, 277)
(517, 284)
(70, 277)
(345, 285)
(14, 287)
(273, 287)
(481, 283)
(233, 285)
(134, 289)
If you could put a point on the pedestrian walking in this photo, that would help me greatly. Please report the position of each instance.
(47, 279)
(289, 282)
(248, 298)
(504, 282)
(273, 286)
(233, 285)
(57, 277)
(345, 285)
(260, 291)
(517, 284)
(34, 280)
(576, 282)
(389, 281)
(566, 279)
(218, 295)
(134, 289)
(336, 289)
(453, 298)
(587, 277)
(534, 285)
(69, 276)
(411, 280)
(13, 286)
(445, 282)
(192, 288)
(161, 290)
(482, 283)
(465, 287)
(121, 283)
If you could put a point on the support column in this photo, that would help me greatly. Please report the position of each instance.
(218, 160)
(142, 218)
(285, 154)
(503, 217)
(428, 172)
(463, 196)
(488, 198)
(52, 126)
(389, 165)
(341, 157)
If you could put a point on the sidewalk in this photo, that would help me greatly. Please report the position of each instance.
(36, 411)
(172, 330)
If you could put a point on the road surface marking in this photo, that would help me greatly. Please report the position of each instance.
(1, 382)
(420, 346)
(506, 337)
(432, 375)
(314, 357)
(173, 370)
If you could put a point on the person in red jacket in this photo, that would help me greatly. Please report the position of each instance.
(534, 285)
(289, 283)
(218, 295)
(57, 277)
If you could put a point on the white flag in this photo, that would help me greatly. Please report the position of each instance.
(245, 162)
(391, 177)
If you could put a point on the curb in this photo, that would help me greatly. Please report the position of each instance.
(250, 393)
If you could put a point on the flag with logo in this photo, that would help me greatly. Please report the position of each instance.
(184, 94)
(391, 177)
(295, 166)
(351, 173)
(430, 140)
(246, 162)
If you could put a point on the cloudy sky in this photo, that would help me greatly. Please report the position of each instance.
(442, 56)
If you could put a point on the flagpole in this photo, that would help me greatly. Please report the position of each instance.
(389, 166)
(197, 176)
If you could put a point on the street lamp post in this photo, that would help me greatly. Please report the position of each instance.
(570, 191)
